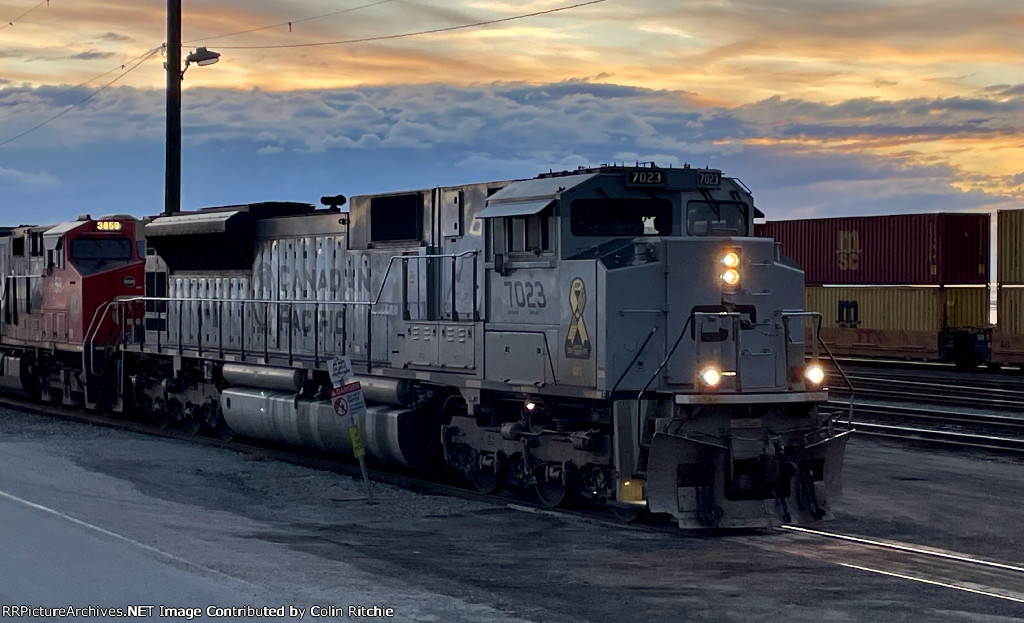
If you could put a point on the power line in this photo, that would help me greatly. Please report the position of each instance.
(409, 34)
(123, 65)
(84, 99)
(290, 23)
(147, 55)
(11, 22)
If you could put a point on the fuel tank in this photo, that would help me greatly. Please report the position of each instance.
(407, 437)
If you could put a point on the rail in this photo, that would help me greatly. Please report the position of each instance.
(931, 425)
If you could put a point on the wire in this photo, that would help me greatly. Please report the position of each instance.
(409, 34)
(147, 55)
(109, 71)
(289, 23)
(84, 99)
(11, 23)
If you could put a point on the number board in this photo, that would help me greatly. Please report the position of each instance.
(646, 177)
(709, 178)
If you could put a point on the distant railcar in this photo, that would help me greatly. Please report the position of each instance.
(910, 286)
(939, 249)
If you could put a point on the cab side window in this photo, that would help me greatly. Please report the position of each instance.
(529, 234)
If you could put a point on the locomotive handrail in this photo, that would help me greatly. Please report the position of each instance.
(405, 281)
(647, 340)
(375, 301)
(94, 328)
(639, 397)
(279, 304)
(816, 316)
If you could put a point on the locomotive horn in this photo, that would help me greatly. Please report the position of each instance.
(333, 202)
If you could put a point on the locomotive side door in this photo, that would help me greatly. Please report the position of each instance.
(523, 307)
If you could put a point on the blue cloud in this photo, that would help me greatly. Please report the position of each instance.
(259, 145)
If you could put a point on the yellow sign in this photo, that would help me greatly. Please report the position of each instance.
(357, 442)
(108, 226)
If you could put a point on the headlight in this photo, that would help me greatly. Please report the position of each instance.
(815, 374)
(731, 276)
(731, 259)
(711, 376)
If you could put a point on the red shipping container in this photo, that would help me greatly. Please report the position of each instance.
(903, 249)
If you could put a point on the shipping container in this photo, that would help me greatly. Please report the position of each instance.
(893, 321)
(903, 308)
(1008, 338)
(1010, 247)
(907, 249)
(1010, 309)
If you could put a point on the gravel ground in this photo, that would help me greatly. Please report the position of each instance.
(297, 535)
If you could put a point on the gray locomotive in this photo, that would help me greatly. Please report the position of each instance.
(613, 333)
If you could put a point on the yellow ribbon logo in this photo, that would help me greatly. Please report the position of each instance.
(577, 343)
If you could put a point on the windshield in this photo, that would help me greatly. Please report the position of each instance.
(91, 255)
(720, 218)
(621, 217)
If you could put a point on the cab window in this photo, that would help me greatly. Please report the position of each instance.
(90, 255)
(621, 217)
(718, 218)
(529, 234)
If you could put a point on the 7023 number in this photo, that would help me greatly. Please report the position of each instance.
(526, 294)
(646, 176)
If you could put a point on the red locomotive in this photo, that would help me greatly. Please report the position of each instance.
(56, 332)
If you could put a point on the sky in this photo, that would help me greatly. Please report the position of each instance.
(822, 108)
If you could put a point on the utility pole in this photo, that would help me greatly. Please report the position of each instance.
(172, 162)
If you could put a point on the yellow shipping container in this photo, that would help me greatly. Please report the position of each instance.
(1010, 247)
(900, 308)
(1011, 310)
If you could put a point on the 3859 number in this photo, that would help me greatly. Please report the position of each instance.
(526, 294)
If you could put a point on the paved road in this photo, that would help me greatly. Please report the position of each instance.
(52, 558)
(93, 516)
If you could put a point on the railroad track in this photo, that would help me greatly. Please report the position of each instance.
(926, 424)
(901, 561)
(935, 405)
(996, 394)
(905, 561)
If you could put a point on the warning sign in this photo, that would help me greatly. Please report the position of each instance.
(340, 369)
(348, 399)
(357, 442)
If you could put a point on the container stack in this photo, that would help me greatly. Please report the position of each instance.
(1008, 337)
(890, 286)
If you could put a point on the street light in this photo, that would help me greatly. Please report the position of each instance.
(175, 74)
(201, 57)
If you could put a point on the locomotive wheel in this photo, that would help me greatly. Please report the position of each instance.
(162, 418)
(552, 493)
(226, 434)
(628, 514)
(484, 480)
(193, 420)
